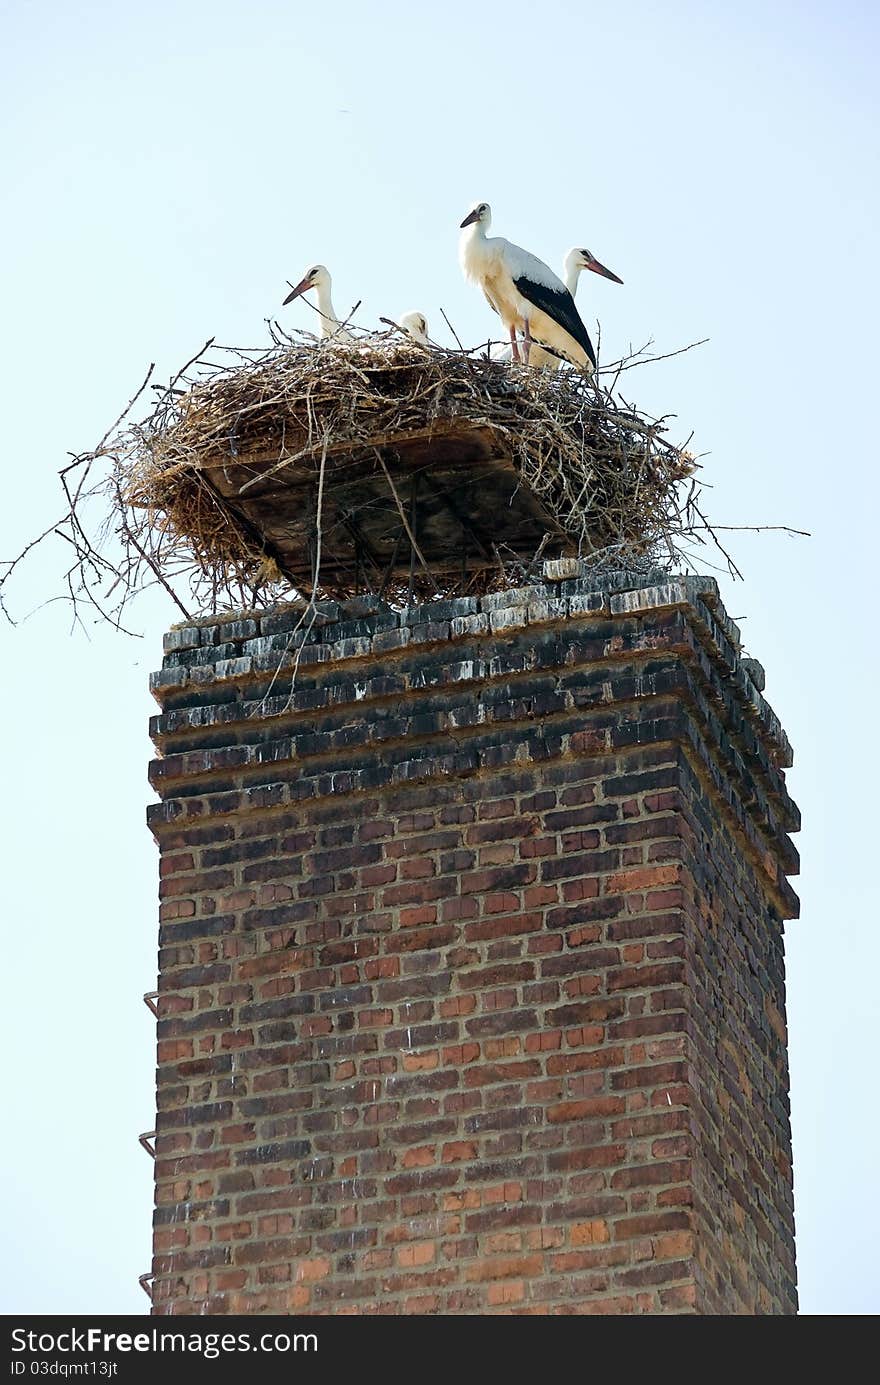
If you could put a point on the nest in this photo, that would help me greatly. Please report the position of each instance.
(375, 466)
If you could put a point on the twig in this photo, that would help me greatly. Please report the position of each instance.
(180, 508)
(409, 533)
(452, 329)
(639, 358)
(755, 529)
(159, 575)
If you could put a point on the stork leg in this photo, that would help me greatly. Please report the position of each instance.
(514, 345)
(527, 343)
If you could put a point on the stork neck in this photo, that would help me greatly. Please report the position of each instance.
(329, 320)
(572, 275)
(473, 249)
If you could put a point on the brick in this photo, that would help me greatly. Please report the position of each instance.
(650, 1224)
(414, 1255)
(568, 1111)
(647, 1175)
(642, 878)
(505, 1267)
(657, 1075)
(589, 1233)
(471, 966)
(645, 977)
(311, 1270)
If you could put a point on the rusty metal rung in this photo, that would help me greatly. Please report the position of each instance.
(144, 1142)
(145, 1281)
(150, 999)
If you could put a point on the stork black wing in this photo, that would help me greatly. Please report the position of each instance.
(561, 307)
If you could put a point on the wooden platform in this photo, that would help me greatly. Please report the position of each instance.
(434, 508)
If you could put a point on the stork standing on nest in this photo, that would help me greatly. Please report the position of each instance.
(524, 292)
(318, 278)
(415, 325)
(574, 263)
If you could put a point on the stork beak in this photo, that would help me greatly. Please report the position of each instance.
(470, 219)
(598, 268)
(295, 293)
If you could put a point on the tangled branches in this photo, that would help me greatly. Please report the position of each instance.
(379, 466)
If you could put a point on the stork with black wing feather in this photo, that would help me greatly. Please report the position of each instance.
(525, 293)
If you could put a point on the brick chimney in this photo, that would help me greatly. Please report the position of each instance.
(471, 960)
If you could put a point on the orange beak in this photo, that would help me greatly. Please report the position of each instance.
(301, 287)
(598, 268)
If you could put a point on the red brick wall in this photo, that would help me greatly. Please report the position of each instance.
(471, 969)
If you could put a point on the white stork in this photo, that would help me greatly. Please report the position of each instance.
(574, 262)
(524, 292)
(415, 325)
(318, 278)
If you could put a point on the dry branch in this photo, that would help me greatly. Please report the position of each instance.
(176, 491)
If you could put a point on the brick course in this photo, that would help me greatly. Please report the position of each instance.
(471, 970)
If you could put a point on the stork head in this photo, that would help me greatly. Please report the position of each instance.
(479, 215)
(314, 278)
(416, 326)
(579, 259)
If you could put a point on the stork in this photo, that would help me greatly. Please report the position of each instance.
(574, 262)
(318, 278)
(524, 292)
(415, 325)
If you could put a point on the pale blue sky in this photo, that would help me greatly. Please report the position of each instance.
(166, 169)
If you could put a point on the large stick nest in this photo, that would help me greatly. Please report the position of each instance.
(377, 465)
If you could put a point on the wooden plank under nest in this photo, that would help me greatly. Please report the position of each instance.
(452, 488)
